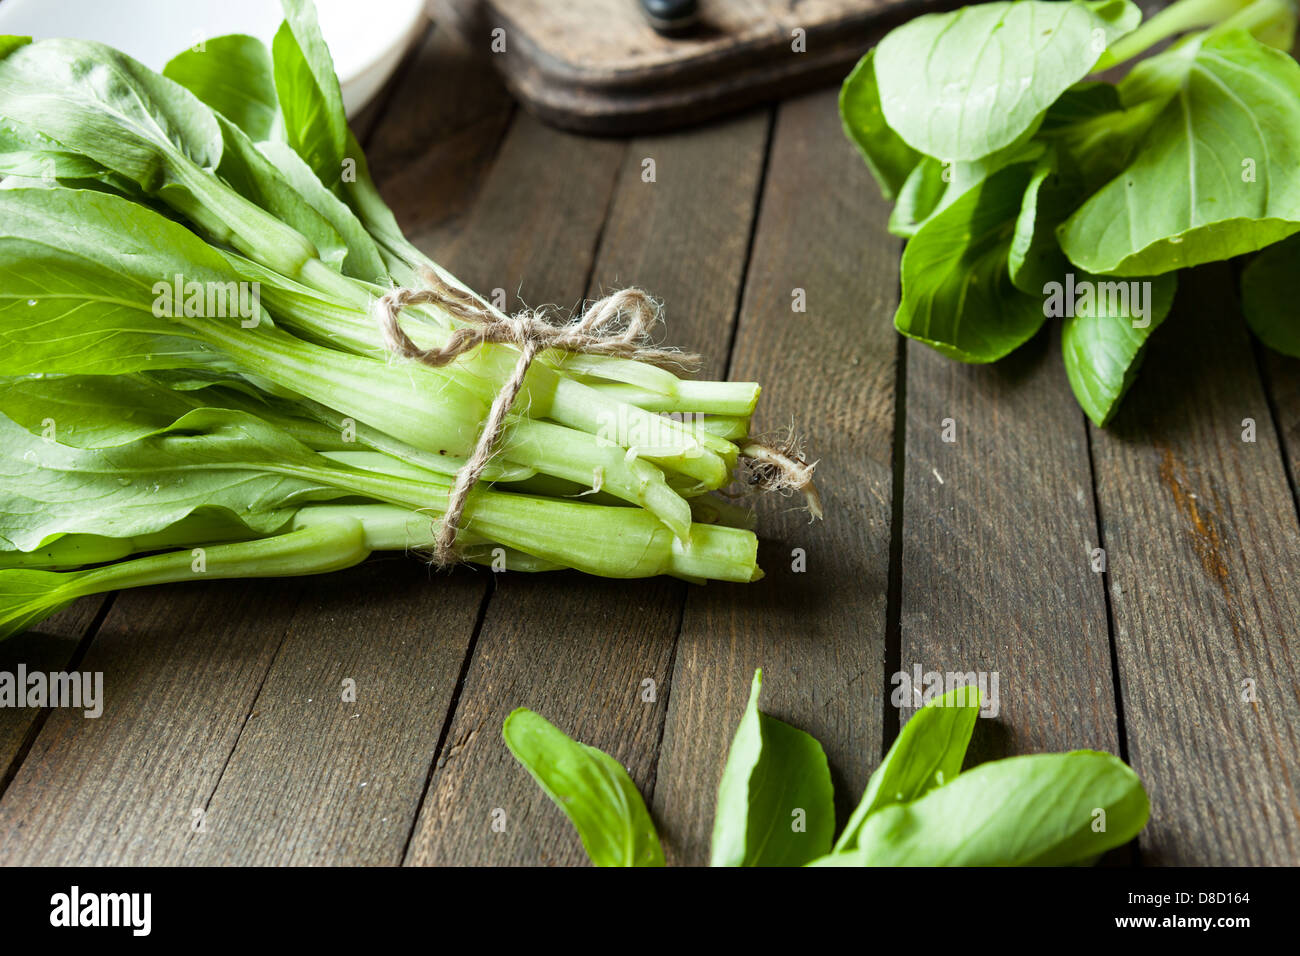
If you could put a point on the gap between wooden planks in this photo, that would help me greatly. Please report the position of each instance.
(578, 649)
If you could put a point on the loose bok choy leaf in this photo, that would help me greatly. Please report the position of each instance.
(592, 789)
(928, 753)
(775, 801)
(1037, 810)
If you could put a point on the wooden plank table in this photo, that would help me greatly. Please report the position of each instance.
(225, 737)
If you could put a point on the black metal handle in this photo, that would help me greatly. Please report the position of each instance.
(671, 18)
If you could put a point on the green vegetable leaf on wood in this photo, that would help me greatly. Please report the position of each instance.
(1013, 175)
(775, 801)
(1104, 342)
(592, 788)
(1268, 296)
(188, 358)
(919, 809)
(1037, 810)
(928, 753)
(957, 291)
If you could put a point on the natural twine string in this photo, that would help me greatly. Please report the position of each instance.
(618, 325)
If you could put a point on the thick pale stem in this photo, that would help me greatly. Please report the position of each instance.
(1172, 20)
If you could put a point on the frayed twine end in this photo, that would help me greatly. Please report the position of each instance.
(779, 465)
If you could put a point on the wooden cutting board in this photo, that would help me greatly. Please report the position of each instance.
(597, 66)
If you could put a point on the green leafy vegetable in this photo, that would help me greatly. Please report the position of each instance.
(1216, 174)
(28, 596)
(965, 84)
(957, 291)
(928, 753)
(775, 801)
(1039, 810)
(233, 75)
(189, 362)
(919, 809)
(1267, 297)
(1014, 176)
(592, 789)
(1103, 345)
(889, 158)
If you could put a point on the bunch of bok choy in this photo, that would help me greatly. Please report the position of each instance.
(192, 382)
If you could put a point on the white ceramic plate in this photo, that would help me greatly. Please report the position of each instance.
(366, 37)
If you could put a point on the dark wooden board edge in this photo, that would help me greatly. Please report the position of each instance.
(572, 97)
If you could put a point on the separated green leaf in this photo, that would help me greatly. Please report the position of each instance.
(928, 753)
(591, 787)
(775, 801)
(1039, 810)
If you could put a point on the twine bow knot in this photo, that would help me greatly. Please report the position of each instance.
(616, 325)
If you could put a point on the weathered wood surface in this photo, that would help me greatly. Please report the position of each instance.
(225, 701)
(181, 673)
(1204, 565)
(52, 646)
(817, 633)
(998, 534)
